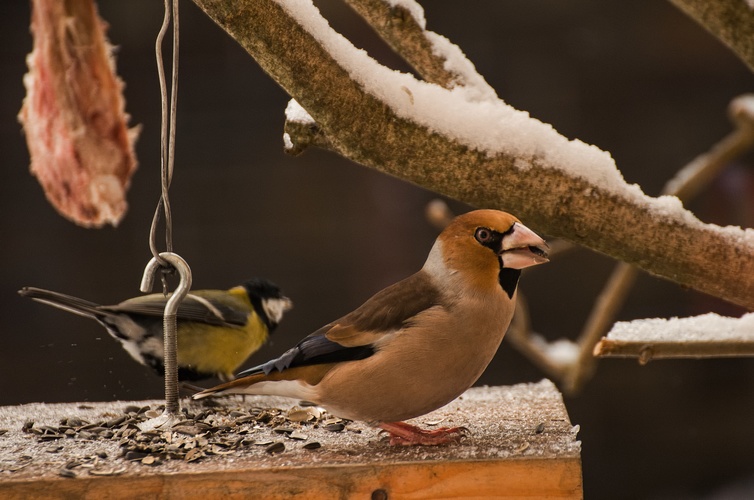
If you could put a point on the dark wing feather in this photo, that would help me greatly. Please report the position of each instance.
(407, 298)
(353, 336)
(190, 309)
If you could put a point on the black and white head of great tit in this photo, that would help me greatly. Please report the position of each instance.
(268, 301)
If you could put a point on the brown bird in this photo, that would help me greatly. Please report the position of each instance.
(416, 345)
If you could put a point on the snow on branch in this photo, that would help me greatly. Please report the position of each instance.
(402, 25)
(484, 153)
(704, 336)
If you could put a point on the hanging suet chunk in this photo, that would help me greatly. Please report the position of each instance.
(73, 115)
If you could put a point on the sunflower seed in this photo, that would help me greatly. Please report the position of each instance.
(283, 430)
(115, 421)
(51, 437)
(188, 430)
(91, 425)
(277, 447)
(66, 473)
(135, 455)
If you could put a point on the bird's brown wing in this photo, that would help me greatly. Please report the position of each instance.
(357, 335)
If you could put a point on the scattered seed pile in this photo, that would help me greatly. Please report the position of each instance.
(210, 429)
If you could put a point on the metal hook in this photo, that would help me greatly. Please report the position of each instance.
(184, 273)
(170, 322)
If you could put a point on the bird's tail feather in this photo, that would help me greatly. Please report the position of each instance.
(62, 301)
(231, 387)
(298, 382)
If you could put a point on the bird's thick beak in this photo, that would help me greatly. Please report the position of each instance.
(521, 248)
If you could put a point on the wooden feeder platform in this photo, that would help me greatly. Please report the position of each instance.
(520, 444)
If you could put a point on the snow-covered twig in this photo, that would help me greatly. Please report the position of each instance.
(402, 25)
(707, 336)
(685, 185)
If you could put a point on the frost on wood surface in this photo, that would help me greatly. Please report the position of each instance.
(515, 422)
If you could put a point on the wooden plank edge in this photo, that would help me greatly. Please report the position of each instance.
(535, 477)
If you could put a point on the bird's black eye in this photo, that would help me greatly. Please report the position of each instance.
(483, 235)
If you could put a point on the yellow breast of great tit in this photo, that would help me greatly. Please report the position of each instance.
(217, 349)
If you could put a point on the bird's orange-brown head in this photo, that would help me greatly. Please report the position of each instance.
(487, 249)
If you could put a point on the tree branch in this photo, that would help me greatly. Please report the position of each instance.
(427, 52)
(686, 184)
(707, 336)
(648, 351)
(317, 68)
(731, 21)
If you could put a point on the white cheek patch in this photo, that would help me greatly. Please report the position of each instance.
(275, 308)
(435, 263)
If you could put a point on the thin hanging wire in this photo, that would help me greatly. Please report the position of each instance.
(168, 261)
(167, 134)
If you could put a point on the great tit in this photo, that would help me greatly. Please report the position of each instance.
(416, 345)
(217, 329)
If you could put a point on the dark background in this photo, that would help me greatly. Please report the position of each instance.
(638, 79)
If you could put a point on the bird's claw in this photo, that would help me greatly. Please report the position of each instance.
(403, 434)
